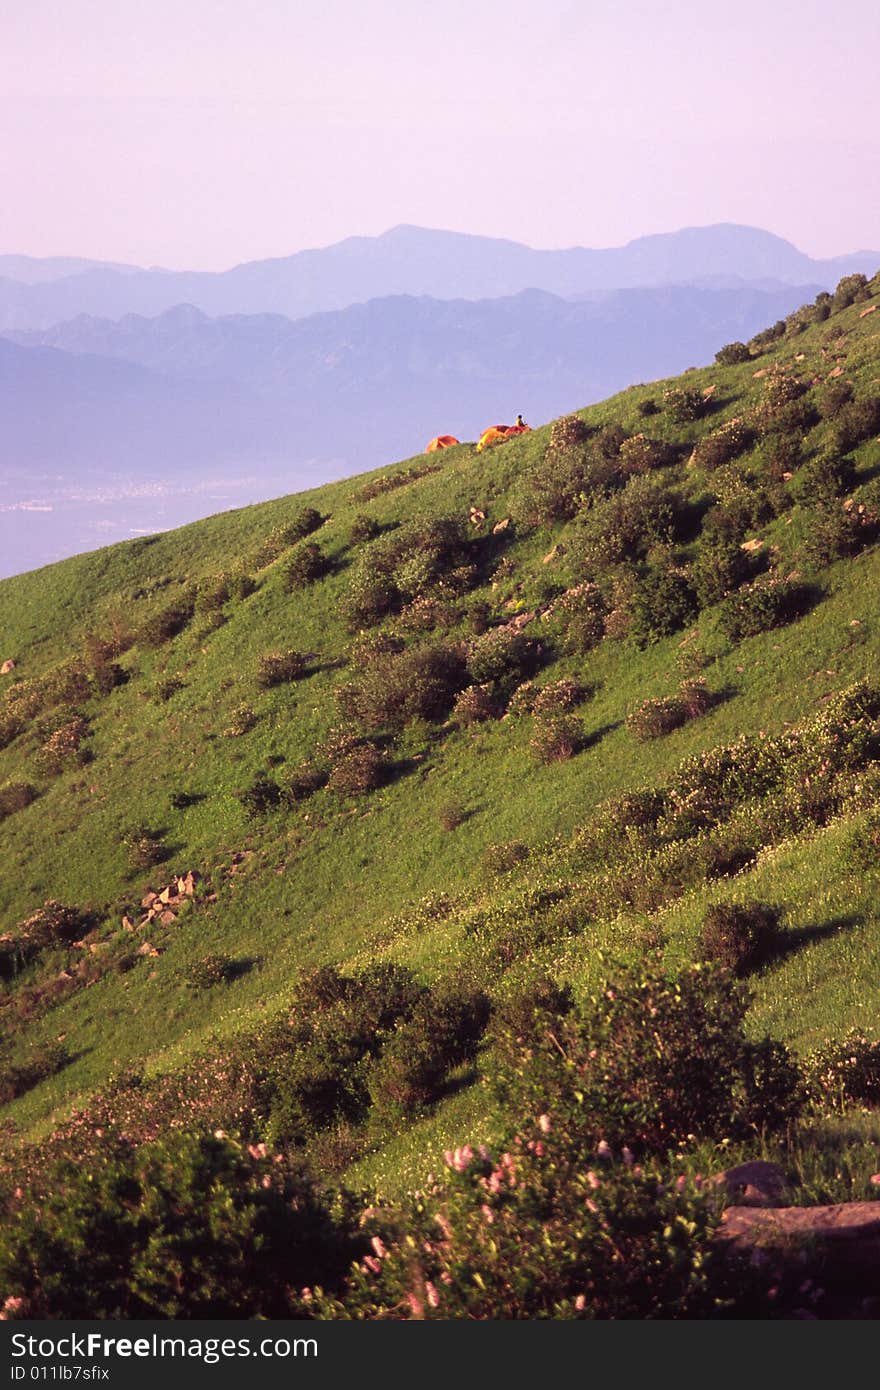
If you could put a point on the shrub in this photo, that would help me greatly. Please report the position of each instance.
(165, 689)
(556, 738)
(307, 564)
(832, 397)
(568, 432)
(183, 1227)
(721, 445)
(241, 720)
(15, 796)
(364, 528)
(145, 847)
(371, 596)
(835, 532)
(654, 718)
(442, 1032)
(303, 781)
(502, 655)
(683, 404)
(17, 1078)
(420, 682)
(856, 422)
(211, 970)
(581, 611)
(648, 407)
(861, 850)
(278, 668)
(850, 290)
(640, 455)
(720, 567)
(261, 797)
(740, 937)
(624, 527)
(824, 479)
(664, 601)
(732, 354)
(167, 623)
(451, 815)
(359, 770)
(64, 748)
(558, 697)
(768, 336)
(761, 607)
(475, 704)
(845, 1072)
(500, 859)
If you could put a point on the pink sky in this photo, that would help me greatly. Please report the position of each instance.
(200, 133)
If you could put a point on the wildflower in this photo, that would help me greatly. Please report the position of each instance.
(680, 1183)
(433, 1295)
(379, 1247)
(257, 1150)
(539, 1149)
(544, 1124)
(372, 1264)
(591, 1206)
(875, 1179)
(593, 1180)
(603, 1149)
(580, 1303)
(627, 1156)
(488, 1214)
(219, 1133)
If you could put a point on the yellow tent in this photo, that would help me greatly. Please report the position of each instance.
(496, 435)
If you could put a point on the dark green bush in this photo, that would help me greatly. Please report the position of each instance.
(442, 1033)
(832, 397)
(761, 607)
(854, 423)
(556, 738)
(835, 532)
(720, 446)
(261, 797)
(732, 354)
(167, 623)
(362, 768)
(825, 478)
(741, 937)
(474, 705)
(683, 404)
(364, 528)
(581, 613)
(624, 527)
(502, 655)
(302, 524)
(861, 849)
(15, 796)
(850, 290)
(420, 682)
(17, 1078)
(144, 846)
(307, 565)
(500, 859)
(720, 566)
(664, 601)
(213, 969)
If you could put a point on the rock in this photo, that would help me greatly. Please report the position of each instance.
(477, 517)
(846, 1237)
(871, 309)
(752, 545)
(835, 371)
(754, 1184)
(551, 555)
(148, 899)
(128, 924)
(166, 895)
(167, 917)
(758, 374)
(500, 526)
(709, 391)
(8, 665)
(148, 949)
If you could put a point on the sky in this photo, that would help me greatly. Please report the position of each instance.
(201, 133)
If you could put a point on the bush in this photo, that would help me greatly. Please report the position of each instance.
(683, 404)
(364, 528)
(648, 407)
(640, 455)
(824, 479)
(861, 850)
(452, 815)
(301, 782)
(167, 623)
(854, 423)
(145, 847)
(558, 697)
(371, 596)
(420, 682)
(721, 445)
(17, 1078)
(184, 1227)
(845, 1072)
(556, 738)
(582, 612)
(165, 689)
(211, 970)
(501, 859)
(359, 770)
(474, 705)
(832, 397)
(307, 564)
(241, 720)
(278, 668)
(732, 354)
(261, 797)
(836, 532)
(442, 1032)
(664, 601)
(302, 524)
(654, 718)
(719, 568)
(850, 290)
(625, 527)
(761, 607)
(15, 796)
(568, 432)
(740, 937)
(64, 748)
(502, 655)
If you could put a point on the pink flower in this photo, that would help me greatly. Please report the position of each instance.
(593, 1180)
(257, 1150)
(539, 1149)
(875, 1179)
(379, 1247)
(627, 1156)
(591, 1206)
(488, 1214)
(604, 1149)
(544, 1124)
(433, 1295)
(371, 1263)
(580, 1303)
(680, 1183)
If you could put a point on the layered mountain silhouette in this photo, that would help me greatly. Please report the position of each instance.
(411, 260)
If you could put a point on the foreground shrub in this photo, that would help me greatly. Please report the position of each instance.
(732, 354)
(855, 422)
(144, 846)
(825, 478)
(364, 528)
(721, 445)
(474, 705)
(186, 1227)
(241, 720)
(581, 611)
(741, 937)
(720, 567)
(358, 770)
(261, 797)
(654, 718)
(64, 748)
(845, 1072)
(442, 1032)
(861, 849)
(502, 655)
(651, 1059)
(683, 404)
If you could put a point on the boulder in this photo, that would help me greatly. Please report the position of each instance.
(148, 899)
(500, 526)
(754, 1184)
(167, 917)
(8, 665)
(127, 923)
(845, 1237)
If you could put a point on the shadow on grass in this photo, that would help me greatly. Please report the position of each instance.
(798, 938)
(590, 740)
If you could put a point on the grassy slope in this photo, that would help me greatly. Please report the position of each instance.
(324, 880)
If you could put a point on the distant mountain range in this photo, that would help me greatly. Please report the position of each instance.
(366, 384)
(409, 260)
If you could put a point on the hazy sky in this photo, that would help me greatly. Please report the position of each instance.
(199, 133)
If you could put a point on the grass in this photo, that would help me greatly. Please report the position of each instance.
(331, 880)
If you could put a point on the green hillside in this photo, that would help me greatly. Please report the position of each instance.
(465, 715)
